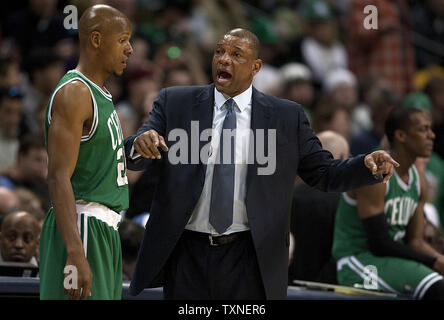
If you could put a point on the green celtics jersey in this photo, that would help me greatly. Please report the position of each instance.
(400, 201)
(100, 172)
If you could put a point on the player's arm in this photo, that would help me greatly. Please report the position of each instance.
(371, 211)
(415, 230)
(72, 107)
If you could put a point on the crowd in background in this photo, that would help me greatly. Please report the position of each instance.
(318, 53)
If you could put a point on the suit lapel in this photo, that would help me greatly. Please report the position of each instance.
(261, 116)
(202, 112)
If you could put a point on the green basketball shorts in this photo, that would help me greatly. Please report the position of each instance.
(389, 274)
(101, 241)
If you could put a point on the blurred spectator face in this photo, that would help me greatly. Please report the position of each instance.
(11, 76)
(141, 52)
(335, 143)
(148, 105)
(139, 89)
(324, 32)
(47, 78)
(178, 77)
(8, 200)
(128, 121)
(340, 123)
(19, 237)
(435, 90)
(43, 8)
(10, 116)
(329, 117)
(34, 164)
(346, 95)
(301, 92)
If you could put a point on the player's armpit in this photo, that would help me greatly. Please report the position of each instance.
(370, 200)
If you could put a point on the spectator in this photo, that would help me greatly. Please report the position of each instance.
(39, 24)
(312, 222)
(386, 51)
(10, 75)
(8, 200)
(45, 69)
(297, 85)
(10, 117)
(177, 76)
(131, 236)
(369, 87)
(380, 102)
(140, 83)
(19, 238)
(321, 49)
(331, 117)
(341, 86)
(427, 21)
(435, 91)
(268, 79)
(30, 169)
(215, 17)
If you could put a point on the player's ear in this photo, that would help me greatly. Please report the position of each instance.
(95, 39)
(400, 135)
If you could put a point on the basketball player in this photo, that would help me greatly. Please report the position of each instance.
(87, 172)
(378, 239)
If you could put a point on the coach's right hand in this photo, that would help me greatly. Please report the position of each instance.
(147, 143)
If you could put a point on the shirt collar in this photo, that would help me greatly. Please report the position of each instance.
(242, 100)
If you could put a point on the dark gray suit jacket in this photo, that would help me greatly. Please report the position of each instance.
(268, 197)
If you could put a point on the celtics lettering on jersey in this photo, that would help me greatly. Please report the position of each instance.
(115, 132)
(401, 209)
(100, 172)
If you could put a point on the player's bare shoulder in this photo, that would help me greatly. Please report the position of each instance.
(73, 100)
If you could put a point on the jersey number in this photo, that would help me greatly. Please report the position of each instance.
(122, 179)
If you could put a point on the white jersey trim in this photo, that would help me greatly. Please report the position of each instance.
(96, 112)
(401, 183)
(418, 182)
(349, 200)
(107, 94)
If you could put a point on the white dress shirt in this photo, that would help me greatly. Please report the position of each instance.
(199, 220)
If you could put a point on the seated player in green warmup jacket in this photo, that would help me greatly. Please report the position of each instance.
(378, 238)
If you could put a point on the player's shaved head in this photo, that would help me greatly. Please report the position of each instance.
(249, 36)
(99, 18)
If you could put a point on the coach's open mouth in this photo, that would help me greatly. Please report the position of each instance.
(223, 76)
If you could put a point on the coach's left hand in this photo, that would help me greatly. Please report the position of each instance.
(380, 162)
